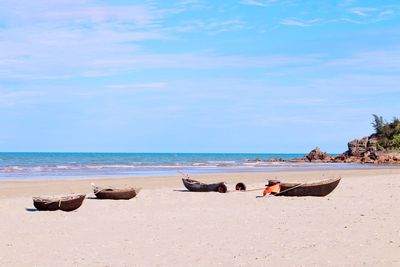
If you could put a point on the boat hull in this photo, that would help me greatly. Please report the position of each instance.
(318, 189)
(195, 186)
(116, 194)
(68, 203)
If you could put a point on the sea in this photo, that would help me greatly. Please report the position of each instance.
(80, 165)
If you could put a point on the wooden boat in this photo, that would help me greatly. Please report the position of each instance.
(112, 193)
(196, 186)
(317, 189)
(64, 203)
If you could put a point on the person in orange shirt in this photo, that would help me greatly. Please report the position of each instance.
(273, 187)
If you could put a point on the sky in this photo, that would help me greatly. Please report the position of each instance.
(195, 76)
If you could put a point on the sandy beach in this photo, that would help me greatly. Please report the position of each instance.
(356, 225)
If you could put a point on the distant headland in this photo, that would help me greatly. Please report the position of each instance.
(381, 147)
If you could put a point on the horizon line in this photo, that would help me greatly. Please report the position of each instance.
(118, 152)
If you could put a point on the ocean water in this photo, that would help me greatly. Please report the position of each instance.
(64, 165)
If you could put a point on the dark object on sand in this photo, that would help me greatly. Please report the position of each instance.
(272, 182)
(64, 203)
(240, 187)
(317, 189)
(196, 186)
(112, 193)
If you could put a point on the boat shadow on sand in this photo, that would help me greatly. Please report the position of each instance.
(31, 209)
(181, 190)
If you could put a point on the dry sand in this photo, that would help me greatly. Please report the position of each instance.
(357, 225)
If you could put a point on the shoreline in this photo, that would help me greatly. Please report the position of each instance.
(307, 167)
(31, 187)
(44, 166)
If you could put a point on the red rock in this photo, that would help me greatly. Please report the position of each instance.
(317, 155)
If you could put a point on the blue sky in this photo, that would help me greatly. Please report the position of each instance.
(195, 76)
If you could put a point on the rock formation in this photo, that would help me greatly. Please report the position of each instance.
(317, 155)
(362, 150)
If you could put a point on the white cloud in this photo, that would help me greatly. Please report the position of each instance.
(292, 22)
(264, 3)
(381, 60)
(212, 27)
(104, 48)
(75, 12)
(192, 4)
(48, 40)
(368, 15)
(130, 86)
(306, 101)
(387, 12)
(61, 39)
(356, 84)
(205, 61)
(12, 98)
(362, 11)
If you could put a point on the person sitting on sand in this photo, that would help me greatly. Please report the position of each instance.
(273, 187)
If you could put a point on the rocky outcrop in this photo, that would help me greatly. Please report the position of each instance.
(317, 155)
(387, 157)
(362, 147)
(265, 160)
(362, 150)
(357, 148)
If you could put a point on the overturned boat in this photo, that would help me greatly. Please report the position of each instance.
(196, 186)
(64, 203)
(113, 193)
(316, 189)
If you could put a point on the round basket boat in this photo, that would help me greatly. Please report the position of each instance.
(64, 203)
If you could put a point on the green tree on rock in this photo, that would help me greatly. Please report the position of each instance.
(387, 133)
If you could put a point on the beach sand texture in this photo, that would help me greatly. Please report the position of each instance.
(357, 225)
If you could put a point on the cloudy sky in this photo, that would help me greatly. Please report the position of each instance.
(195, 76)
